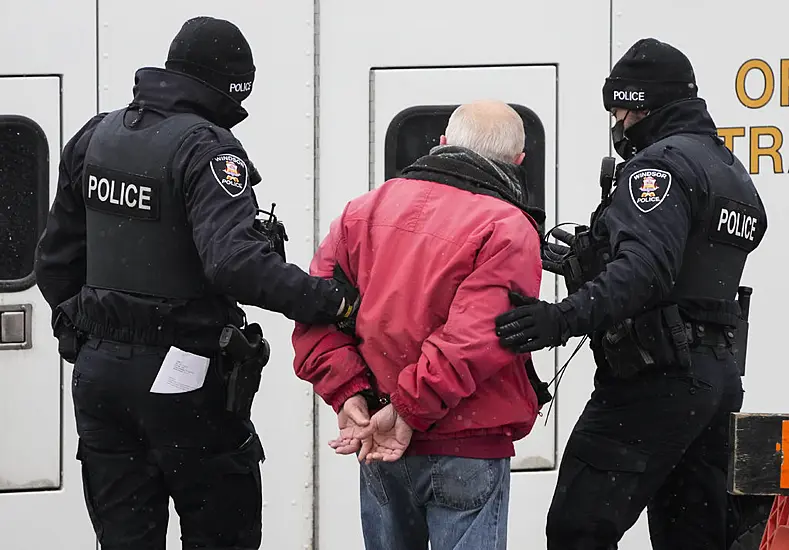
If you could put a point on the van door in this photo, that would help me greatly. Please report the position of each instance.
(30, 373)
(41, 504)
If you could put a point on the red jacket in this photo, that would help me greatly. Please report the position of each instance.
(433, 264)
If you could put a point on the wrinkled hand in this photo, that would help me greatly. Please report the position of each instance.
(531, 326)
(386, 437)
(346, 321)
(351, 419)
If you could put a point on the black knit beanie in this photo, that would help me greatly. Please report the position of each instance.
(214, 51)
(649, 75)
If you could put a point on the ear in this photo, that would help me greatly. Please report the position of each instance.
(519, 158)
(442, 140)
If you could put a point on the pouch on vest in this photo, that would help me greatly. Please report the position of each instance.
(656, 337)
(586, 260)
(624, 354)
(741, 344)
(273, 230)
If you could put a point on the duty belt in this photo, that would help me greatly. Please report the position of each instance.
(710, 335)
(200, 344)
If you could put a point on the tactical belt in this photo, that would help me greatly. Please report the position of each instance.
(709, 335)
(201, 344)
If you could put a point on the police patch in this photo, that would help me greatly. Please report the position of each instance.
(231, 173)
(649, 187)
(121, 194)
(736, 223)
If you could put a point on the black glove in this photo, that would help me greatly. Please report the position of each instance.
(532, 325)
(346, 321)
(552, 255)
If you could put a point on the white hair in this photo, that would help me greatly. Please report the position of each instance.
(491, 129)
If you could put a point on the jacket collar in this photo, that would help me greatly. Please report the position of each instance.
(688, 116)
(170, 92)
(456, 173)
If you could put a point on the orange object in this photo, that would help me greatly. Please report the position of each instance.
(784, 461)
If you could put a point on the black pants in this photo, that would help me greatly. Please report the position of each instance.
(659, 441)
(138, 449)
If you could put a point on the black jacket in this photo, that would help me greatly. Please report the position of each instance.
(652, 231)
(238, 262)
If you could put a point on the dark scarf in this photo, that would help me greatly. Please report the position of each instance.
(464, 169)
(688, 116)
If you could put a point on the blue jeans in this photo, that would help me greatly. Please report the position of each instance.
(455, 503)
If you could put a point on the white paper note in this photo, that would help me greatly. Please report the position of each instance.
(180, 372)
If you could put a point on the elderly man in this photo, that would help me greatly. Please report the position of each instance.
(436, 254)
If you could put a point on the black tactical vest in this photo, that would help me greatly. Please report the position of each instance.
(138, 237)
(729, 225)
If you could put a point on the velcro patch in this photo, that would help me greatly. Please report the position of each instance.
(231, 173)
(121, 194)
(736, 223)
(649, 187)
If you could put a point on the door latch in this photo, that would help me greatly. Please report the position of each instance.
(16, 327)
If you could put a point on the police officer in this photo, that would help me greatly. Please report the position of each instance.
(150, 243)
(661, 310)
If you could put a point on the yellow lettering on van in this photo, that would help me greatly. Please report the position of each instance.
(769, 83)
(784, 82)
(772, 150)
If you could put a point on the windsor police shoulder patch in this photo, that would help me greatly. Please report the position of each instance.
(231, 173)
(649, 187)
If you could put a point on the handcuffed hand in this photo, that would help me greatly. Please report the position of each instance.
(386, 437)
(383, 437)
(353, 416)
(531, 326)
